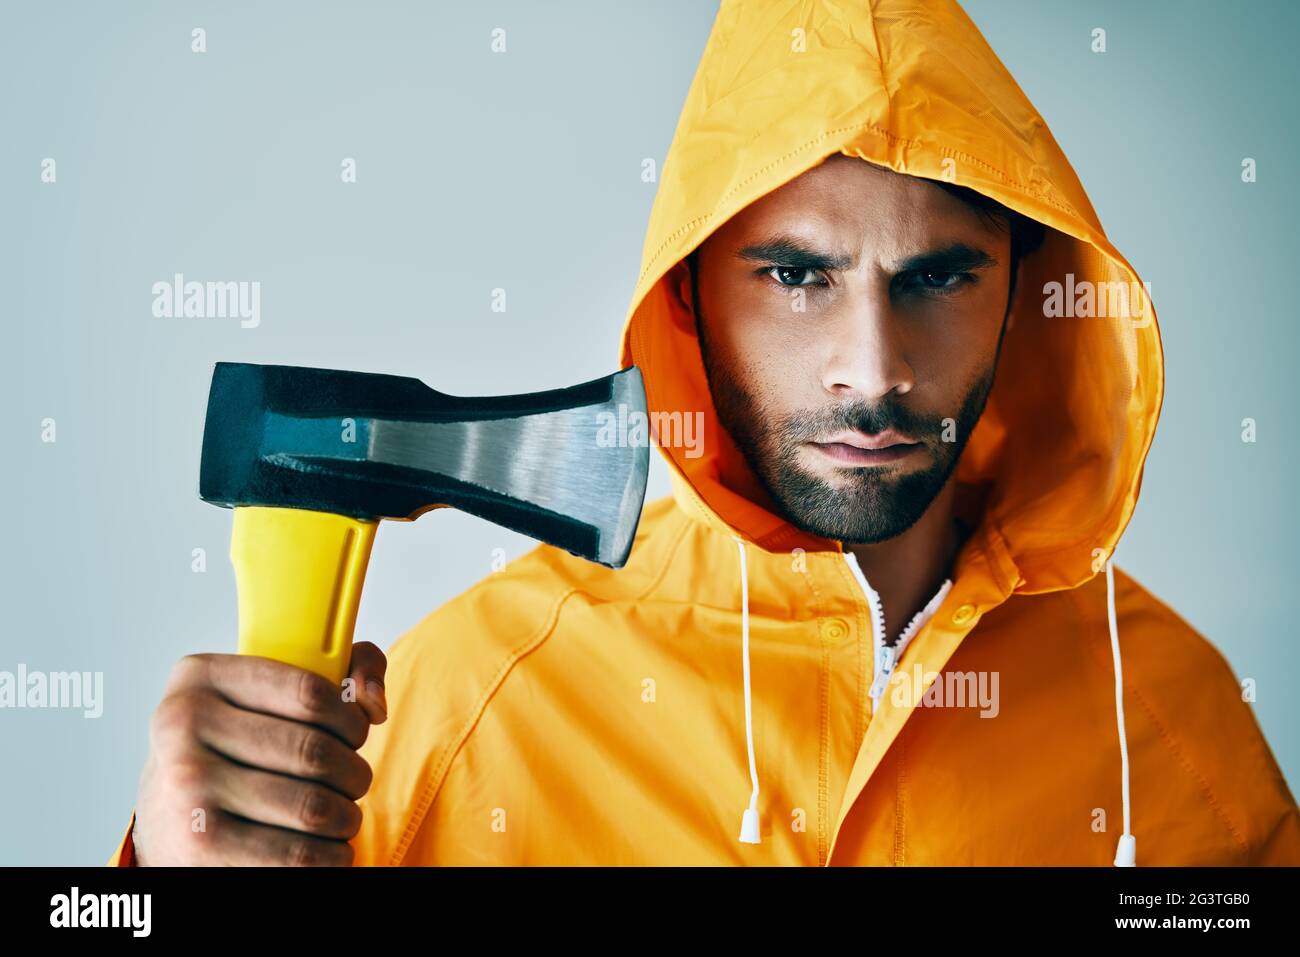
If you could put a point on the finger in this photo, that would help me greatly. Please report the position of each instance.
(281, 801)
(241, 842)
(367, 670)
(283, 746)
(273, 687)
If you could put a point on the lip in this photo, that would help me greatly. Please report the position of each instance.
(871, 443)
(858, 448)
(841, 453)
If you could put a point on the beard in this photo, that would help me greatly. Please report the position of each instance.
(865, 504)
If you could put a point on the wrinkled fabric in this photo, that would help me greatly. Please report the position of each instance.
(560, 712)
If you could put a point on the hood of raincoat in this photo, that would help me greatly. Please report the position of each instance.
(1053, 469)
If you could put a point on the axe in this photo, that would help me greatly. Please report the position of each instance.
(312, 459)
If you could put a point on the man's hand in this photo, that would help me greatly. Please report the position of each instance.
(252, 761)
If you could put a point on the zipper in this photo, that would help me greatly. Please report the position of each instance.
(888, 653)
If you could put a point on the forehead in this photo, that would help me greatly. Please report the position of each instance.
(853, 200)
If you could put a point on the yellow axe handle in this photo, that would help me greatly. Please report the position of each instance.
(299, 574)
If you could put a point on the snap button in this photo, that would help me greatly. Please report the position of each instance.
(836, 629)
(963, 614)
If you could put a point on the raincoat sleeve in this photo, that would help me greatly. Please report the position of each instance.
(1282, 847)
(433, 691)
(442, 675)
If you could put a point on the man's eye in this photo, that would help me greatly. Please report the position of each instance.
(793, 275)
(931, 281)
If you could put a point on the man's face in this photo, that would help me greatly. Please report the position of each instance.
(851, 301)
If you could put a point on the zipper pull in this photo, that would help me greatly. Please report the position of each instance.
(886, 657)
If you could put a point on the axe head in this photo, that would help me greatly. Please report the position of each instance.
(557, 466)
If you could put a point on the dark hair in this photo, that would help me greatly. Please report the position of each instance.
(1026, 234)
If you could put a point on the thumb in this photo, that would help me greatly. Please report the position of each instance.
(369, 664)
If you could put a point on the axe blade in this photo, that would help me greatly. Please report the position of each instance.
(554, 465)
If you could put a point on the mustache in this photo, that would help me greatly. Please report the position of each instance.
(812, 425)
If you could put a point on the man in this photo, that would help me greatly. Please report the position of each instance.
(873, 624)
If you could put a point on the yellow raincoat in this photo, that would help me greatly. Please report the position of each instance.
(560, 712)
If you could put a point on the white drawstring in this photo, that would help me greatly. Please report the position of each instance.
(749, 825)
(1126, 852)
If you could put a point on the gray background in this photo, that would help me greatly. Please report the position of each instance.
(522, 171)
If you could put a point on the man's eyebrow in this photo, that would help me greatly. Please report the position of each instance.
(955, 257)
(795, 253)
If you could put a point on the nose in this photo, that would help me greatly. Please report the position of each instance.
(866, 358)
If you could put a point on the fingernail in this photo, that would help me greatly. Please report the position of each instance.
(376, 691)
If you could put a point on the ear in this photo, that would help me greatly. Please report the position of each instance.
(679, 285)
(1017, 292)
